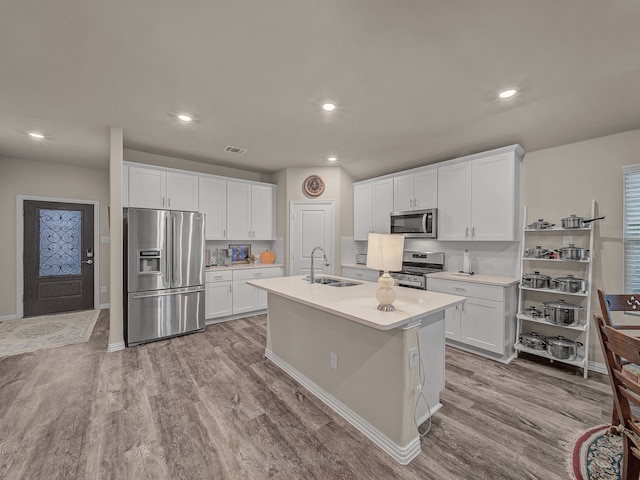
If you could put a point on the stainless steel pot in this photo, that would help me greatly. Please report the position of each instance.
(533, 340)
(536, 280)
(570, 284)
(540, 224)
(537, 252)
(562, 348)
(562, 313)
(533, 312)
(571, 252)
(573, 221)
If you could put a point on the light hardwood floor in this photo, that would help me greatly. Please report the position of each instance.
(209, 406)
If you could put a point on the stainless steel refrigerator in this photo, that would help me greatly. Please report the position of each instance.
(164, 274)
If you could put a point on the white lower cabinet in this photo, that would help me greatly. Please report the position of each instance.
(361, 273)
(485, 322)
(247, 298)
(218, 294)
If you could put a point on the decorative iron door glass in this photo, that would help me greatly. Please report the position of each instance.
(60, 242)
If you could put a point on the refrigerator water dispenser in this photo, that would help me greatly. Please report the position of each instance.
(149, 261)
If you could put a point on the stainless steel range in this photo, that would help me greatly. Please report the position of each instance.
(415, 265)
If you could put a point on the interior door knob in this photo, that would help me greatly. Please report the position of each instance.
(89, 262)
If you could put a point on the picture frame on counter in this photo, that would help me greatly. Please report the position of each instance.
(240, 252)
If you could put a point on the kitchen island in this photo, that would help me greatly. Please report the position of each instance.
(365, 364)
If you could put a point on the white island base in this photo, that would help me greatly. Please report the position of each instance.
(369, 375)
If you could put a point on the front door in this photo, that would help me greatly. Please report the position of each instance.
(58, 257)
(311, 226)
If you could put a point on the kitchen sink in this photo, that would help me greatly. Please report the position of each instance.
(336, 282)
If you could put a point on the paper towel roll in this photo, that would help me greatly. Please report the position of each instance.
(466, 263)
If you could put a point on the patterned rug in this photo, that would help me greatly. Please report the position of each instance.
(597, 456)
(37, 333)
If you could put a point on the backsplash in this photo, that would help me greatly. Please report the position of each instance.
(257, 247)
(487, 258)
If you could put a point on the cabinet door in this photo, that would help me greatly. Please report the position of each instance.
(382, 205)
(212, 201)
(147, 188)
(493, 198)
(454, 202)
(182, 192)
(425, 187)
(452, 318)
(262, 197)
(362, 211)
(217, 300)
(238, 211)
(245, 297)
(403, 195)
(482, 324)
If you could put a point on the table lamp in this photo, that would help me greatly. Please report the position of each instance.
(384, 252)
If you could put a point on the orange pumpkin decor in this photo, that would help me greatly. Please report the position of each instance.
(267, 257)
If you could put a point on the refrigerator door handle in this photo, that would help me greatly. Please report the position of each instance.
(167, 250)
(162, 293)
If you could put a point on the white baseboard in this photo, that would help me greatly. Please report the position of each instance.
(8, 317)
(598, 367)
(104, 306)
(114, 347)
(401, 454)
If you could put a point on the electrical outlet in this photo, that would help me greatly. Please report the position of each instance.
(334, 360)
(103, 289)
(413, 357)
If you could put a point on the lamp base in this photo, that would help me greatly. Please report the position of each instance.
(386, 308)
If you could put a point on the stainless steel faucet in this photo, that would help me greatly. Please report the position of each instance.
(312, 275)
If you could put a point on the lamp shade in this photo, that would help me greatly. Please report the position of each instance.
(384, 252)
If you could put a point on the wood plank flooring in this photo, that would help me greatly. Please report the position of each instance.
(209, 406)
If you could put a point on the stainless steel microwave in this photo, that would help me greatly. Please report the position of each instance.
(415, 223)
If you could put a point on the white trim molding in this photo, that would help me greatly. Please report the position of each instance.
(104, 306)
(8, 317)
(20, 244)
(115, 347)
(401, 454)
(598, 367)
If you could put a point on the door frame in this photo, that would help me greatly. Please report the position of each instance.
(20, 246)
(330, 203)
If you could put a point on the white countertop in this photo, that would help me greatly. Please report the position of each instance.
(243, 266)
(358, 302)
(484, 279)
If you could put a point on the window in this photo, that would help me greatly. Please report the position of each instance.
(631, 236)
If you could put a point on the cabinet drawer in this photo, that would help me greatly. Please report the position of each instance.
(361, 274)
(466, 289)
(253, 273)
(218, 276)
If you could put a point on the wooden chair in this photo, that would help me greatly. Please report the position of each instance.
(616, 346)
(620, 303)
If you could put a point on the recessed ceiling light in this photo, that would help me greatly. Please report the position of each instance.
(37, 135)
(329, 107)
(332, 159)
(508, 93)
(185, 118)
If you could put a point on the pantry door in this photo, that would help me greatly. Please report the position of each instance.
(58, 257)
(311, 226)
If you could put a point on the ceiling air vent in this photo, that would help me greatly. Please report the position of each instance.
(236, 150)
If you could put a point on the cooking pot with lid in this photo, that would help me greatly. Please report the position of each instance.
(562, 313)
(536, 280)
(562, 348)
(537, 252)
(540, 224)
(533, 340)
(573, 221)
(571, 252)
(570, 284)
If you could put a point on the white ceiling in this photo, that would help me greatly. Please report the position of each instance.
(415, 81)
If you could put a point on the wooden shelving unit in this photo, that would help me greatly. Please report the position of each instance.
(526, 323)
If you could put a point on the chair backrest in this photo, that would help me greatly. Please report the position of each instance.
(617, 345)
(626, 302)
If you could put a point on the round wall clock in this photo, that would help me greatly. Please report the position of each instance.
(313, 186)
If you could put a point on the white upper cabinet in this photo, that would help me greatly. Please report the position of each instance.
(479, 199)
(213, 203)
(250, 211)
(153, 188)
(372, 206)
(416, 191)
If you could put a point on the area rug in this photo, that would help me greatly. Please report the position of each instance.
(37, 333)
(597, 456)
